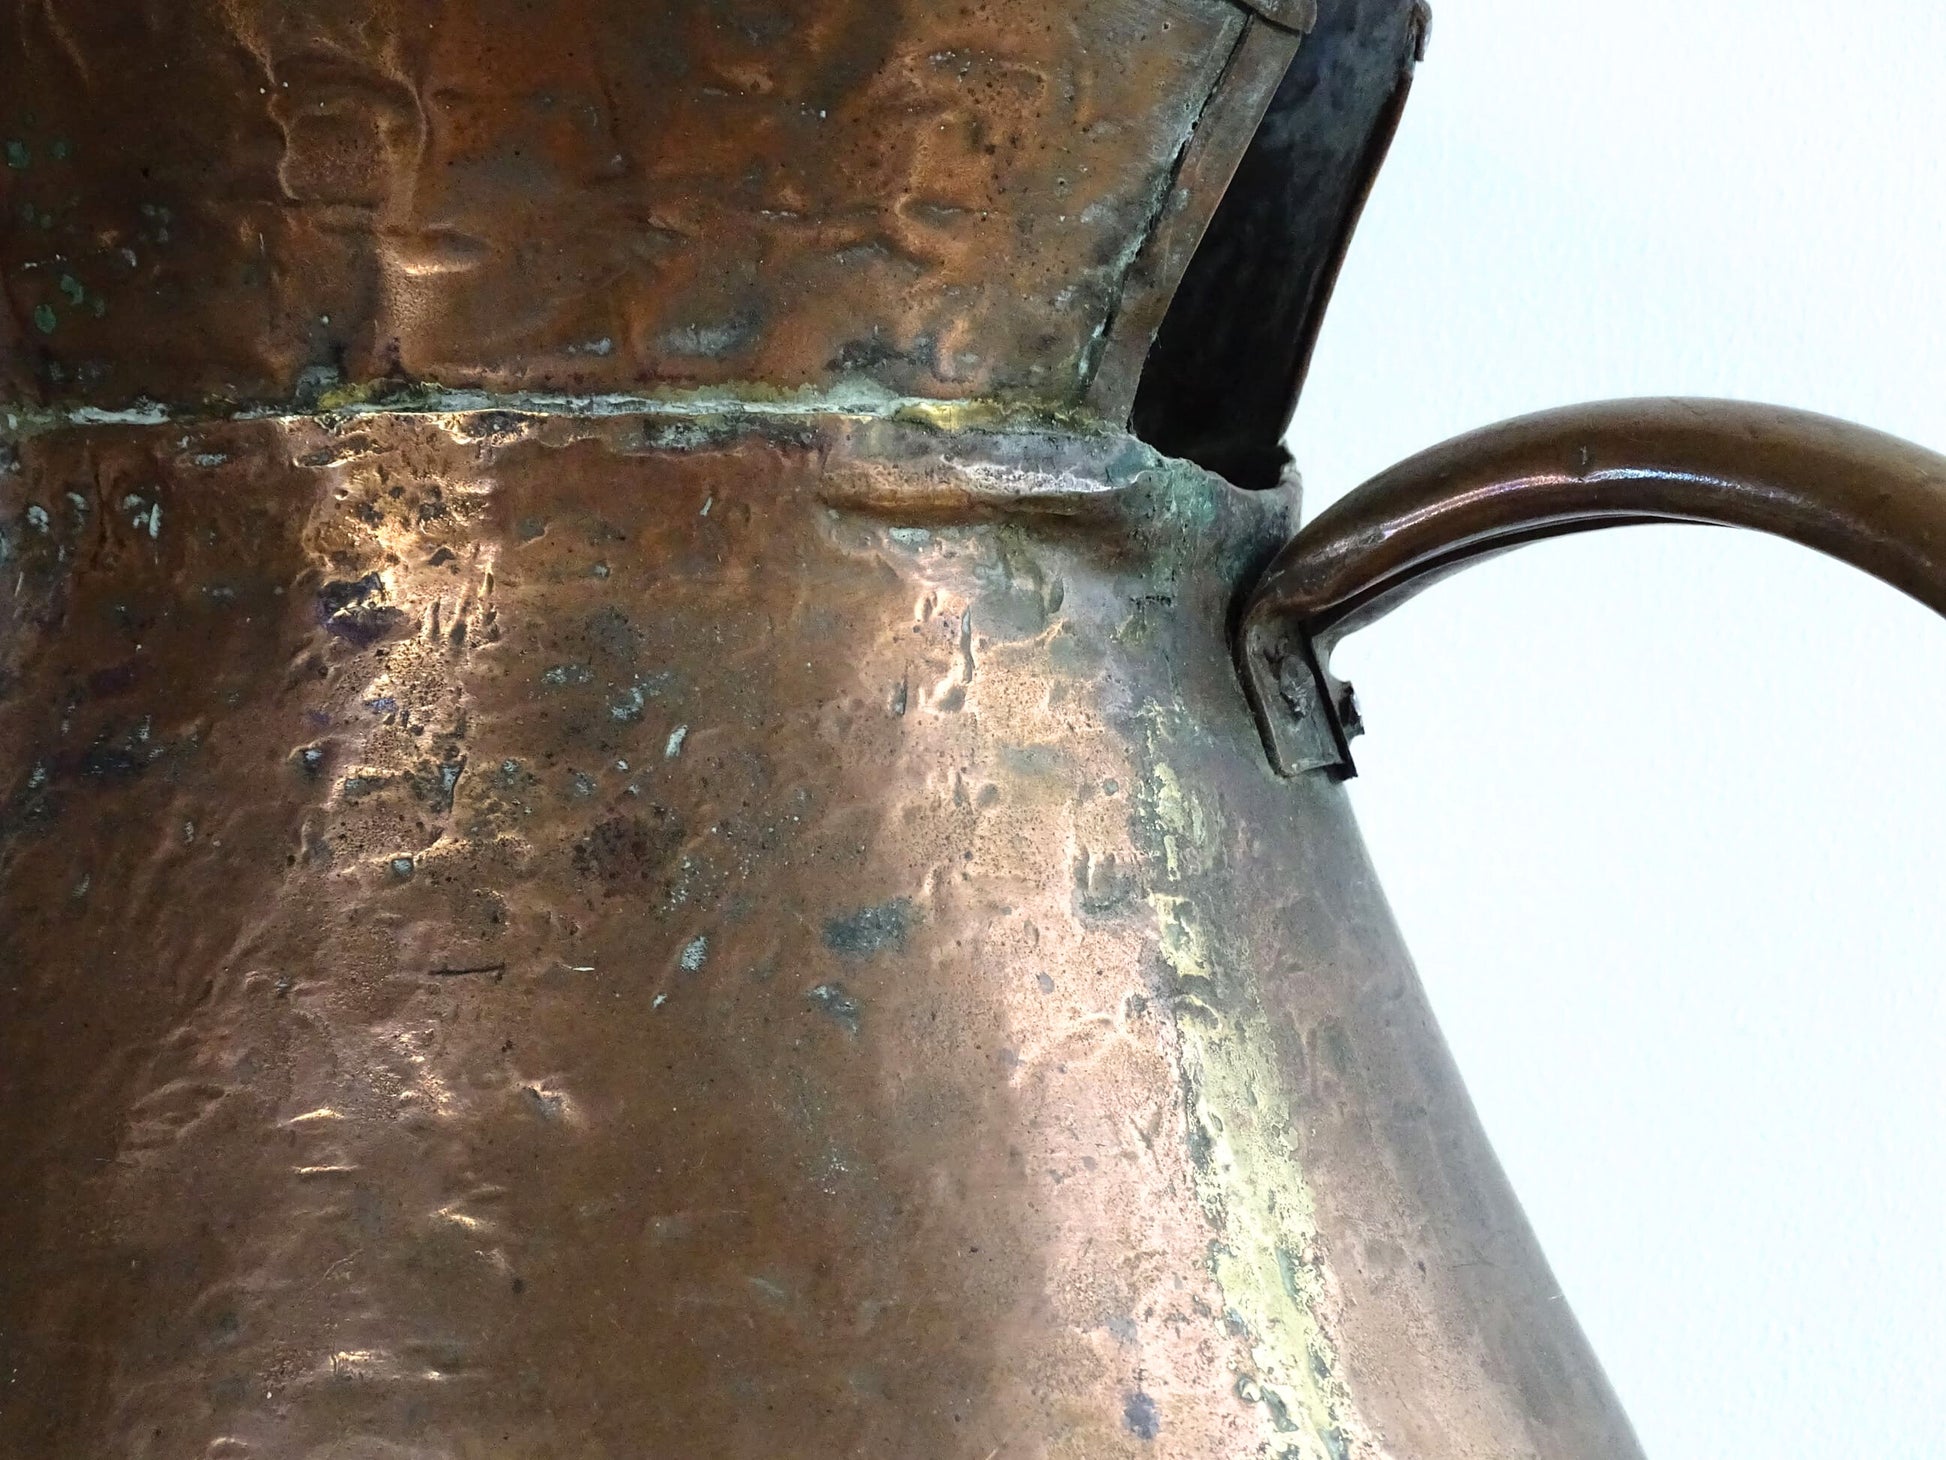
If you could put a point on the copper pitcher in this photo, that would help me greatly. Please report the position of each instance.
(669, 779)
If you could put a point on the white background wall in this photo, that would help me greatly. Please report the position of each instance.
(1662, 810)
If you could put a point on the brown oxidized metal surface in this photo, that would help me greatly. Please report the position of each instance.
(673, 936)
(251, 199)
(745, 930)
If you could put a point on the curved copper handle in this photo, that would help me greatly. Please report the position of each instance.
(1871, 500)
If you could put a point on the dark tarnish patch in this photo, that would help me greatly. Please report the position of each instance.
(831, 999)
(1287, 1274)
(111, 762)
(869, 930)
(1251, 1392)
(628, 851)
(117, 679)
(544, 1103)
(1280, 1416)
(111, 757)
(609, 632)
(495, 428)
(1101, 885)
(346, 609)
(1138, 1413)
(434, 783)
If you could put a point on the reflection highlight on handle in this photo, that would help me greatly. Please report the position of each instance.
(1869, 499)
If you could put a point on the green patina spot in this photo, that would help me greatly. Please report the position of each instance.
(71, 287)
(17, 154)
(61, 149)
(98, 306)
(44, 320)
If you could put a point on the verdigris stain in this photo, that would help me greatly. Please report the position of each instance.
(831, 999)
(869, 930)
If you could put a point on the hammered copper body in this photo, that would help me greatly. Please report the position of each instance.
(630, 828)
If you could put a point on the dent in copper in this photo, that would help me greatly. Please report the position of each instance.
(547, 937)
(250, 200)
